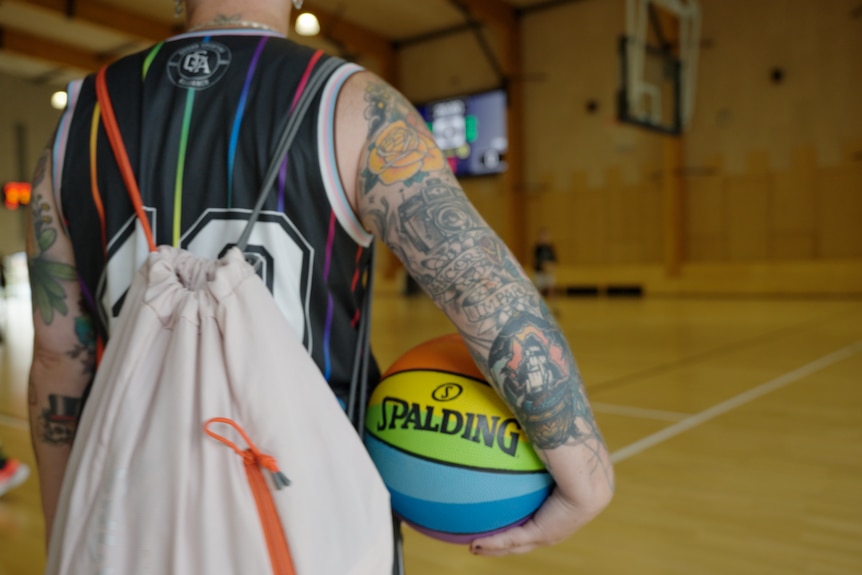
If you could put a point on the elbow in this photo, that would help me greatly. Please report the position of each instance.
(52, 369)
(46, 360)
(601, 498)
(606, 494)
(605, 497)
(604, 487)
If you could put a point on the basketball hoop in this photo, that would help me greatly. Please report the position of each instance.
(659, 83)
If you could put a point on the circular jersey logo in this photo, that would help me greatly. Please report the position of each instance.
(199, 65)
(447, 392)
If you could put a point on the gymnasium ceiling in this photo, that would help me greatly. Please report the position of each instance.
(53, 41)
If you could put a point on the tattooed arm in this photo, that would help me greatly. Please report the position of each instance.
(64, 347)
(406, 195)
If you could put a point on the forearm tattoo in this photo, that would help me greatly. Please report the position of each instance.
(471, 275)
(59, 420)
(47, 276)
(85, 346)
(541, 382)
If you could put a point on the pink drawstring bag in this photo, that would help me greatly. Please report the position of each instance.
(210, 442)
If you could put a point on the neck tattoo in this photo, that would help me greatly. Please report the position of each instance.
(230, 23)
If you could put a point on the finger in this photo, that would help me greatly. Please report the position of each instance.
(519, 550)
(515, 540)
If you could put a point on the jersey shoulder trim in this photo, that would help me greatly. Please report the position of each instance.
(58, 151)
(326, 152)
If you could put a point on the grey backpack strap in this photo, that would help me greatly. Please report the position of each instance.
(362, 357)
(315, 81)
(358, 399)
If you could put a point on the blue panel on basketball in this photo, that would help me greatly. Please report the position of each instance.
(454, 457)
(458, 500)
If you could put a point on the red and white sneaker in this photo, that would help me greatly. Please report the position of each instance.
(13, 474)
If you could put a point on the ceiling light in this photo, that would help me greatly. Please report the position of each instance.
(307, 24)
(59, 100)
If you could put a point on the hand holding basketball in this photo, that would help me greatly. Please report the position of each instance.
(575, 501)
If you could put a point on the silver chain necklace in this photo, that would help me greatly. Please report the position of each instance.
(224, 23)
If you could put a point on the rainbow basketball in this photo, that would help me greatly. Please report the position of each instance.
(457, 463)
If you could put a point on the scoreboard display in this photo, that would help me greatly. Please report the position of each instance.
(471, 131)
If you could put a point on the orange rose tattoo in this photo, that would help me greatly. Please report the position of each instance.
(403, 153)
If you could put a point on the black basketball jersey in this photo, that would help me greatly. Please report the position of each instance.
(200, 115)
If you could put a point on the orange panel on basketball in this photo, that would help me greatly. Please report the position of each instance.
(444, 353)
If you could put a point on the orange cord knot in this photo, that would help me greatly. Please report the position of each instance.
(252, 455)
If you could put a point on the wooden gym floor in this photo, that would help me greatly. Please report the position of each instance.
(735, 425)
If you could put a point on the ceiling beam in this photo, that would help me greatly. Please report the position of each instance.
(355, 39)
(431, 36)
(26, 44)
(534, 8)
(492, 11)
(107, 16)
(352, 35)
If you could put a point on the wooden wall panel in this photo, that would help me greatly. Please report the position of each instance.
(747, 212)
(793, 196)
(793, 212)
(617, 224)
(633, 225)
(706, 228)
(792, 245)
(590, 222)
(535, 220)
(653, 217)
(634, 232)
(840, 212)
(560, 213)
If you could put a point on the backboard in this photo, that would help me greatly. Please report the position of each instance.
(658, 64)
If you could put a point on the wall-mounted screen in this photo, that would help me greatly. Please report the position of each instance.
(471, 131)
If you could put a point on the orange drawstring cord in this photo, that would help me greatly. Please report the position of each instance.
(254, 460)
(250, 455)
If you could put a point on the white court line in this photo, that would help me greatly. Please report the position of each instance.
(734, 402)
(14, 422)
(640, 412)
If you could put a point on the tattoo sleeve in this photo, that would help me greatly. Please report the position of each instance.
(65, 345)
(412, 201)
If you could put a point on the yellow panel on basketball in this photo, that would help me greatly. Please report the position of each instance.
(449, 418)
